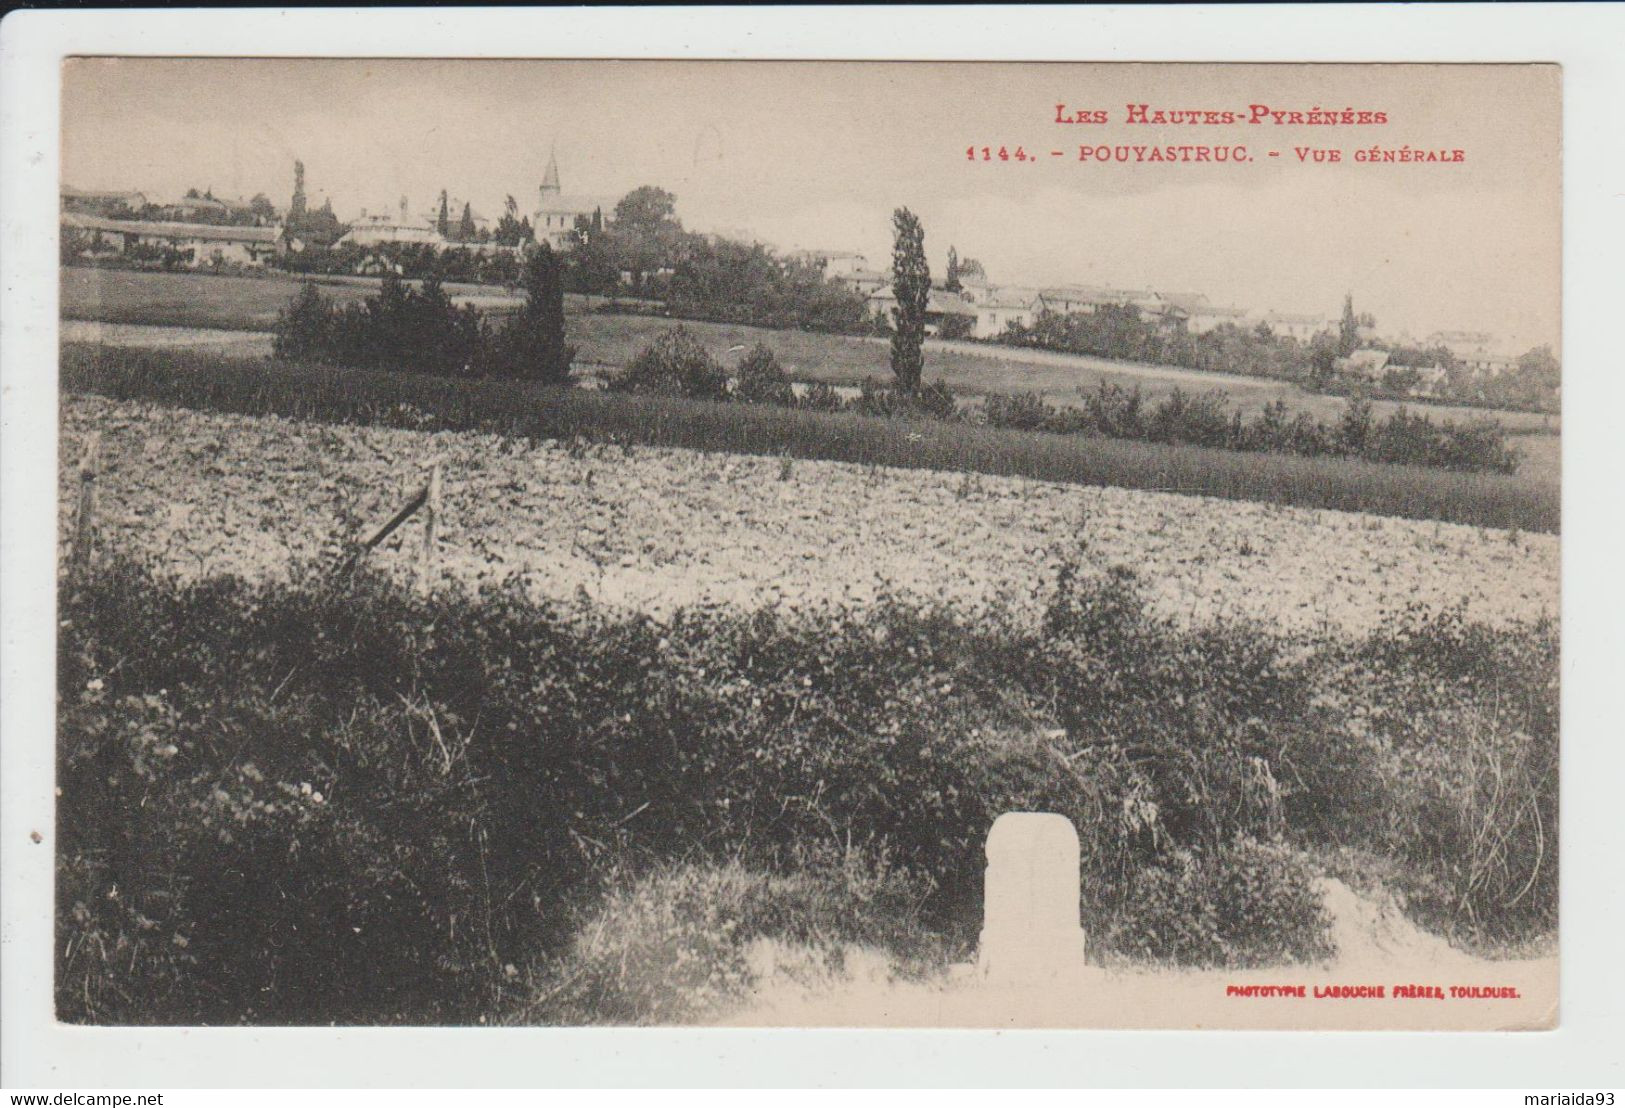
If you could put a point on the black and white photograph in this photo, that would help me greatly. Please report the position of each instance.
(564, 543)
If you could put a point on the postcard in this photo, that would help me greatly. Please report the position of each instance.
(869, 544)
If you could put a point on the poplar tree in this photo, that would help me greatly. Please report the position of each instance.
(911, 284)
(1348, 336)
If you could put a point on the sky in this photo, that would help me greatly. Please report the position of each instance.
(817, 155)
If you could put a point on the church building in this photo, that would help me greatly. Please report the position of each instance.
(555, 220)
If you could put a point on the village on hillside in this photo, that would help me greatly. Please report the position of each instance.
(450, 239)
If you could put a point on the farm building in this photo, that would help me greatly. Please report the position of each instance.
(208, 243)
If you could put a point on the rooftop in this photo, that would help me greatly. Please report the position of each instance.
(166, 229)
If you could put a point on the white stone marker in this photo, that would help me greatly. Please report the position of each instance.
(1030, 928)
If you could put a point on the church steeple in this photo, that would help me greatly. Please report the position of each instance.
(550, 179)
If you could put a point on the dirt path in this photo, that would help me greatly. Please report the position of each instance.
(1377, 948)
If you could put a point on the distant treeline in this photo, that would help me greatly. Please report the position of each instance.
(1120, 332)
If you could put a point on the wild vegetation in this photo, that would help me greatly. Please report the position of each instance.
(340, 395)
(381, 806)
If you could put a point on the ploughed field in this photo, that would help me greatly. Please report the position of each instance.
(653, 529)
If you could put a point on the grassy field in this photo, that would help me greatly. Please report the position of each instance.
(244, 303)
(267, 387)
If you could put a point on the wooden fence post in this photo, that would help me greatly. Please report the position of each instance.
(431, 528)
(84, 535)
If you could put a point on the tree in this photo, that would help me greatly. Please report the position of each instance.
(466, 231)
(262, 207)
(645, 234)
(533, 345)
(647, 208)
(296, 207)
(511, 230)
(911, 283)
(971, 269)
(951, 282)
(443, 224)
(1348, 331)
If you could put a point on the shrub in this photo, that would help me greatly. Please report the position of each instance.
(414, 330)
(760, 379)
(682, 940)
(1241, 905)
(931, 401)
(304, 329)
(1021, 411)
(821, 397)
(675, 364)
(1464, 734)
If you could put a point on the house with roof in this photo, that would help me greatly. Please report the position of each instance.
(375, 228)
(834, 263)
(1370, 365)
(864, 281)
(1475, 351)
(984, 318)
(996, 313)
(1297, 325)
(209, 243)
(1089, 299)
(104, 202)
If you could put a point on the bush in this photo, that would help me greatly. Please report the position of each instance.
(411, 330)
(821, 397)
(1243, 905)
(1022, 411)
(760, 379)
(1464, 736)
(931, 401)
(675, 364)
(679, 942)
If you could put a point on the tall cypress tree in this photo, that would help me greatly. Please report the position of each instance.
(534, 341)
(465, 228)
(443, 224)
(1348, 333)
(911, 283)
(951, 282)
